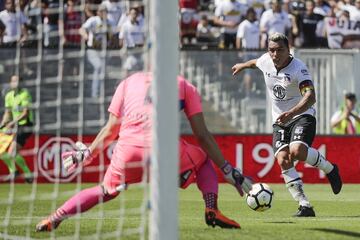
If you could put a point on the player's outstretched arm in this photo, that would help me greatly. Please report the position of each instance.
(85, 154)
(106, 135)
(209, 145)
(241, 66)
(205, 139)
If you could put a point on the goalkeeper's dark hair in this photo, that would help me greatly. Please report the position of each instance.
(279, 37)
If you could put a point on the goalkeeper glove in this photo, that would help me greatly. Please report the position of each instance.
(234, 177)
(72, 159)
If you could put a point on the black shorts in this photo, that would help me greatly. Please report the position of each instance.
(301, 129)
(23, 133)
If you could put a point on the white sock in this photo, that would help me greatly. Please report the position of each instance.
(295, 186)
(314, 158)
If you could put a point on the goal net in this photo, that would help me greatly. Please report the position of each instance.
(71, 83)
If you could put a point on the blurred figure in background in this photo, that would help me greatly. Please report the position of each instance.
(98, 32)
(274, 20)
(311, 22)
(53, 24)
(189, 20)
(2, 31)
(17, 119)
(204, 32)
(228, 15)
(72, 23)
(132, 36)
(248, 37)
(346, 120)
(13, 33)
(322, 8)
(248, 33)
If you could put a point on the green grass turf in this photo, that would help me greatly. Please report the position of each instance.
(338, 217)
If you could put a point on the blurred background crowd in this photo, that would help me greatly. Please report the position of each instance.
(224, 24)
(73, 53)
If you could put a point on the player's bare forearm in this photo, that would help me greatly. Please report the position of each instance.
(306, 102)
(212, 149)
(336, 122)
(6, 118)
(241, 66)
(344, 115)
(106, 135)
(218, 21)
(357, 118)
(206, 140)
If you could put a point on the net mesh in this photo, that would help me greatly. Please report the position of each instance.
(71, 86)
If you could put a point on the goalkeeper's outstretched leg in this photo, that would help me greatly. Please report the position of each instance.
(85, 200)
(120, 171)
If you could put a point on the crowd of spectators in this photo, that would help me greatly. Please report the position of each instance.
(224, 24)
(246, 24)
(98, 22)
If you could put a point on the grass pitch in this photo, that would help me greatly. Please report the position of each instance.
(338, 217)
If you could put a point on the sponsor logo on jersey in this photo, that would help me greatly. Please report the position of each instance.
(305, 72)
(299, 130)
(279, 92)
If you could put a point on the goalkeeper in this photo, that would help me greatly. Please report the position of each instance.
(17, 118)
(130, 119)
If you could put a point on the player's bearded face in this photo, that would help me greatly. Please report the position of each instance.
(279, 53)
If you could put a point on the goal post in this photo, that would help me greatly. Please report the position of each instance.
(60, 80)
(164, 35)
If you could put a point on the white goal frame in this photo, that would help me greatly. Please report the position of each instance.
(164, 36)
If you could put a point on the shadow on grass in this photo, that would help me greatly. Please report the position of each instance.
(337, 231)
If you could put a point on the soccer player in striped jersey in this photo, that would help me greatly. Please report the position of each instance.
(130, 120)
(292, 95)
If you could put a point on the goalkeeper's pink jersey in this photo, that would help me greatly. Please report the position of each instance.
(132, 104)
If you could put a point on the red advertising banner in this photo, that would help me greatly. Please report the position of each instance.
(252, 153)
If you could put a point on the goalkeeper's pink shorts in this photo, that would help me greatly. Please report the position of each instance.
(128, 163)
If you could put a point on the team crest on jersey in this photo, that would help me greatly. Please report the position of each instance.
(279, 91)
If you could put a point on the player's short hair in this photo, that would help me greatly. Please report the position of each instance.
(351, 96)
(250, 10)
(279, 37)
